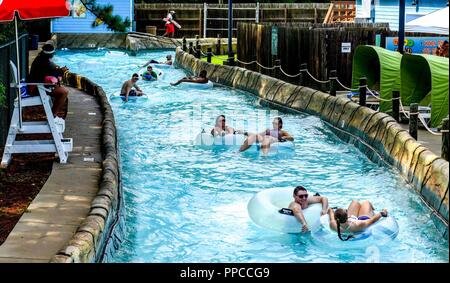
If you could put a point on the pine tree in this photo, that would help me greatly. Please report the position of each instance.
(104, 14)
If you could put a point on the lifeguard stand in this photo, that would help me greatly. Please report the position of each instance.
(60, 145)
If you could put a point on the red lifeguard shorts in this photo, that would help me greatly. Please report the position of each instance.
(170, 28)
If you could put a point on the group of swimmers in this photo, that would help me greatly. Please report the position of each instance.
(357, 217)
(130, 87)
(265, 138)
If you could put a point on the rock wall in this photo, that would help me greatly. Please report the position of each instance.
(376, 134)
(89, 243)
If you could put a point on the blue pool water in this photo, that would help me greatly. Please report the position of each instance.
(189, 204)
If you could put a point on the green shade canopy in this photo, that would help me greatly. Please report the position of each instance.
(425, 81)
(381, 67)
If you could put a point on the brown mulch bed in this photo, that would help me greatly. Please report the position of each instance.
(23, 179)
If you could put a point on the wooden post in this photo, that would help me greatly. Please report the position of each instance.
(396, 105)
(362, 91)
(444, 131)
(198, 50)
(191, 48)
(302, 77)
(218, 52)
(184, 44)
(276, 71)
(333, 81)
(209, 54)
(413, 117)
(230, 60)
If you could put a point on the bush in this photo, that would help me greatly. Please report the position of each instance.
(2, 95)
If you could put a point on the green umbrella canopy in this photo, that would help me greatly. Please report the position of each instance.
(425, 79)
(381, 67)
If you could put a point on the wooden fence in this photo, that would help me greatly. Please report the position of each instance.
(317, 45)
(211, 19)
(7, 53)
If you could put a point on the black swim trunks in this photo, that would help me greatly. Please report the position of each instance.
(132, 93)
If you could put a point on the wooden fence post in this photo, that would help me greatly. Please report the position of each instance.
(276, 71)
(184, 44)
(209, 54)
(396, 105)
(198, 50)
(218, 51)
(413, 117)
(302, 77)
(191, 47)
(444, 131)
(362, 91)
(333, 79)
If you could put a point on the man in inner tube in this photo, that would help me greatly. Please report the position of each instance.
(301, 202)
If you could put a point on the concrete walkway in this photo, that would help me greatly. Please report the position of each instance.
(65, 200)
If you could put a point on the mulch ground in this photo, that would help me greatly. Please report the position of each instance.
(24, 178)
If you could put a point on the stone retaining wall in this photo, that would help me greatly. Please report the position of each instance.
(377, 134)
(132, 41)
(89, 242)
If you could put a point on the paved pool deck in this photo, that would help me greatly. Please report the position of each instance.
(65, 200)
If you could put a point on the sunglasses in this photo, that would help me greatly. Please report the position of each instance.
(303, 196)
(135, 78)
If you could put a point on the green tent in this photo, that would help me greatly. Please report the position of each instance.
(381, 67)
(425, 81)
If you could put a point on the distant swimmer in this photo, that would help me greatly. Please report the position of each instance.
(201, 79)
(167, 62)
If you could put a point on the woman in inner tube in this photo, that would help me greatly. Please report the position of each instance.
(268, 137)
(361, 217)
(221, 129)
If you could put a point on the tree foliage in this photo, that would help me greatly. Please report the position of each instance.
(2, 95)
(104, 14)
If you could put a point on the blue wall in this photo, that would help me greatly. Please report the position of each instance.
(387, 11)
(123, 8)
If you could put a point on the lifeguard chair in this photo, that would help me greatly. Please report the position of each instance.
(60, 145)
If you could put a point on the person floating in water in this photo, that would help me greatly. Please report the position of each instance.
(127, 88)
(361, 217)
(268, 137)
(201, 79)
(301, 202)
(150, 75)
(221, 129)
(167, 62)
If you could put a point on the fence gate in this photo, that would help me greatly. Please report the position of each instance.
(215, 21)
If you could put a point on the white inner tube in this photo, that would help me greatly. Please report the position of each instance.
(117, 95)
(158, 72)
(116, 53)
(207, 85)
(379, 233)
(264, 208)
(161, 66)
(229, 140)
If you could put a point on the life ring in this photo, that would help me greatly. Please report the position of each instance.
(162, 66)
(379, 233)
(207, 85)
(276, 147)
(228, 140)
(143, 70)
(116, 96)
(263, 208)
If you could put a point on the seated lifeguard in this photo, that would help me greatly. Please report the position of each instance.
(201, 79)
(127, 88)
(43, 70)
